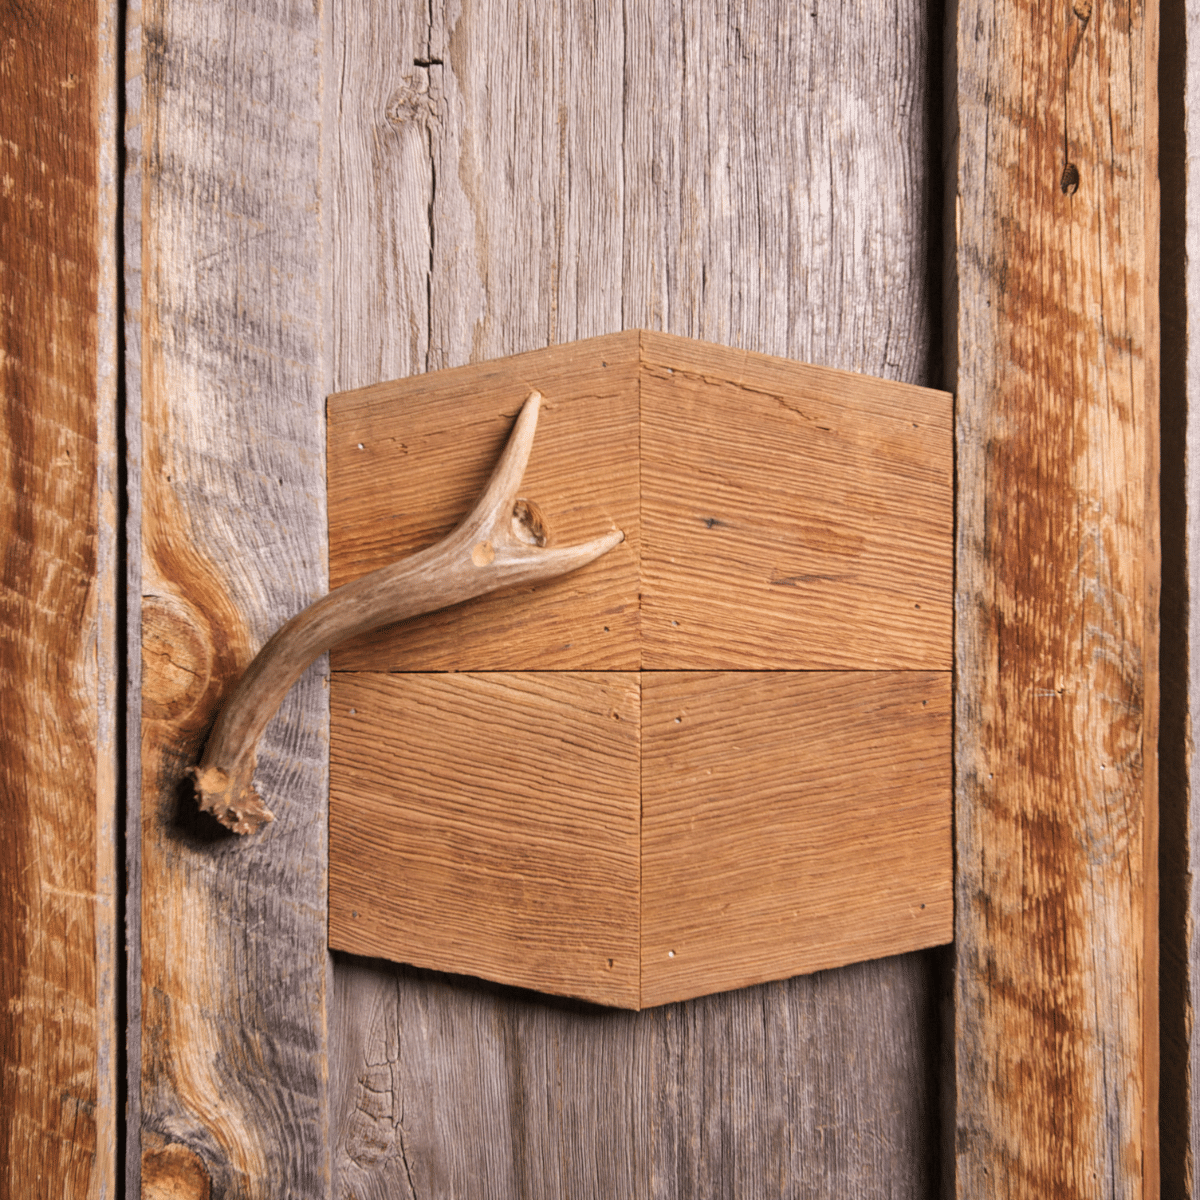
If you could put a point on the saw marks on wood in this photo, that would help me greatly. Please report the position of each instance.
(634, 838)
(795, 516)
(792, 516)
(497, 835)
(792, 821)
(407, 460)
(1054, 335)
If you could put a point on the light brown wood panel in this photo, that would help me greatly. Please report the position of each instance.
(583, 475)
(793, 516)
(1054, 346)
(792, 821)
(757, 175)
(59, 957)
(225, 380)
(489, 824)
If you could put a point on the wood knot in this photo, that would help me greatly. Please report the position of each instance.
(175, 1172)
(176, 658)
(410, 103)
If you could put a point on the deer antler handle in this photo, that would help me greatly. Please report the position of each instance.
(501, 542)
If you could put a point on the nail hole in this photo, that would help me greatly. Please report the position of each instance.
(922, 906)
(670, 953)
(678, 720)
(353, 711)
(361, 446)
(674, 622)
(1070, 179)
(610, 961)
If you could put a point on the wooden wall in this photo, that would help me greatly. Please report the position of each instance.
(318, 197)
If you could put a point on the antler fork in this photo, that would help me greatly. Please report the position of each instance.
(501, 542)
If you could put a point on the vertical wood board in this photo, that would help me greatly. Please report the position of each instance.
(1054, 345)
(225, 381)
(58, 912)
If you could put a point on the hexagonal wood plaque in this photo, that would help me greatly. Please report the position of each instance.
(716, 756)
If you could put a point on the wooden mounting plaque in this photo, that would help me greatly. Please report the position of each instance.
(718, 755)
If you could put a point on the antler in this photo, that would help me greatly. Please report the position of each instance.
(501, 542)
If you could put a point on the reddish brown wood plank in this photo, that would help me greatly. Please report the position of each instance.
(57, 524)
(1054, 342)
(792, 821)
(488, 824)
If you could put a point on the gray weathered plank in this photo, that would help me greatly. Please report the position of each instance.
(1055, 353)
(225, 374)
(757, 175)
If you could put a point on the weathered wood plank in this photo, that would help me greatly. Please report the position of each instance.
(1054, 345)
(225, 379)
(59, 963)
(756, 175)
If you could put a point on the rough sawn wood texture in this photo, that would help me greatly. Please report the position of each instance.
(224, 337)
(1055, 347)
(59, 938)
(507, 177)
(494, 821)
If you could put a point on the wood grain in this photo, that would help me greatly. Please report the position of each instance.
(799, 517)
(224, 244)
(794, 517)
(792, 821)
(1054, 343)
(58, 643)
(408, 459)
(489, 824)
(753, 174)
(634, 838)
